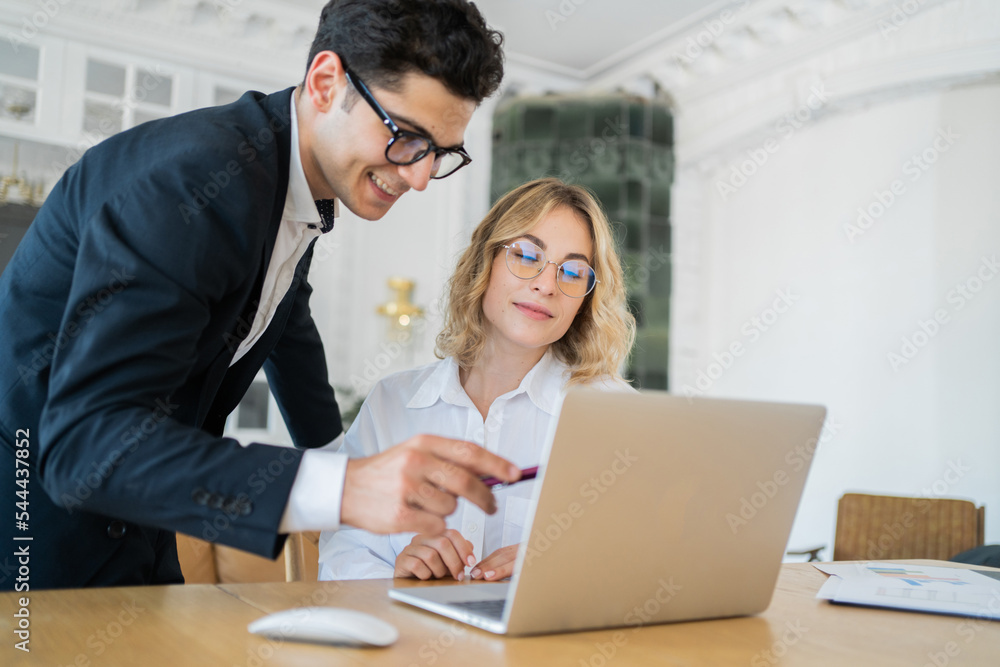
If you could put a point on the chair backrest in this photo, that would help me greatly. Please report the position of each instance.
(207, 563)
(891, 527)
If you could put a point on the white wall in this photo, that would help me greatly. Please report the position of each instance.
(921, 426)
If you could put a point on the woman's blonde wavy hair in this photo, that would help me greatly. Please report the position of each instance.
(600, 337)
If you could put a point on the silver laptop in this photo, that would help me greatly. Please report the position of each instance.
(651, 508)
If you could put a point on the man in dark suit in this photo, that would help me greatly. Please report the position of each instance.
(169, 265)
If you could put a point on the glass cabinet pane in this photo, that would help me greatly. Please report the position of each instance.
(153, 88)
(21, 62)
(105, 78)
(102, 119)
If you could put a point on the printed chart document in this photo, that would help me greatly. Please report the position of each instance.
(937, 590)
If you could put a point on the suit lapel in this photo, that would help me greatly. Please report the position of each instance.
(225, 385)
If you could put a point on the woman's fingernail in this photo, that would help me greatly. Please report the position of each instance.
(461, 576)
(489, 574)
(475, 573)
(471, 560)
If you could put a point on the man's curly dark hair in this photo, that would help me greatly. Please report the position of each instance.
(382, 40)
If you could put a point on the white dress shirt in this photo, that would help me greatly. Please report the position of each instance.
(300, 225)
(314, 500)
(431, 399)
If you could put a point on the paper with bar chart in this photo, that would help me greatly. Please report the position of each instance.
(932, 589)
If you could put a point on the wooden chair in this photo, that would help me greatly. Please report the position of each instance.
(207, 563)
(889, 527)
(301, 556)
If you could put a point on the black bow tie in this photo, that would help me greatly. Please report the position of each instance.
(327, 213)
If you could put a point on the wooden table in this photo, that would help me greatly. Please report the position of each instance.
(206, 625)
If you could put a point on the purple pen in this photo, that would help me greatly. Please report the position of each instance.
(526, 474)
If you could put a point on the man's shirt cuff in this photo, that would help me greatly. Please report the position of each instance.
(317, 492)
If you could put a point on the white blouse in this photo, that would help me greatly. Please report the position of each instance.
(430, 399)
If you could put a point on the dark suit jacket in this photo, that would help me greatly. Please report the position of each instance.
(120, 313)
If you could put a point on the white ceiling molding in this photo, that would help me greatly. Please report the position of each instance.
(949, 65)
(669, 34)
(731, 88)
(527, 76)
(734, 69)
(765, 36)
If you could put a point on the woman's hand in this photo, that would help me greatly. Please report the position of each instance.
(498, 565)
(435, 556)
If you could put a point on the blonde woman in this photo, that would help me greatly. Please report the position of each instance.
(536, 304)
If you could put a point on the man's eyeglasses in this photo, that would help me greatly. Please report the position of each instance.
(574, 277)
(408, 147)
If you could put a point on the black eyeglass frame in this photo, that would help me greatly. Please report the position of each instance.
(398, 133)
(545, 262)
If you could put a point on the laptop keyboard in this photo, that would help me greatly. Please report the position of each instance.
(488, 608)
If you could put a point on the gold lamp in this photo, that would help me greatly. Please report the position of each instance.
(400, 310)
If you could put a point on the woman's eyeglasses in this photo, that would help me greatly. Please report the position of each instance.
(574, 277)
(408, 147)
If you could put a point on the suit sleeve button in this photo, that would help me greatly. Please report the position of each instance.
(200, 496)
(117, 530)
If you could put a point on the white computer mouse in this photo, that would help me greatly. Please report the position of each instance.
(326, 625)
